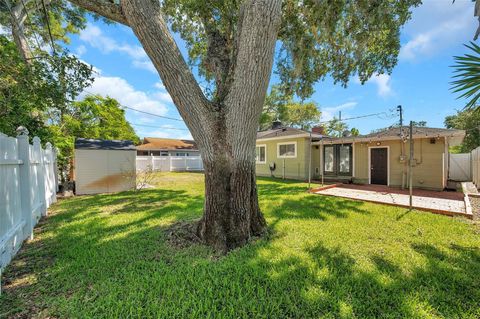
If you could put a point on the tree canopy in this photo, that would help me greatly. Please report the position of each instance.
(316, 38)
(291, 113)
(468, 120)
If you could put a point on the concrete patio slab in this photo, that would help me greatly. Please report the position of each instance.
(446, 205)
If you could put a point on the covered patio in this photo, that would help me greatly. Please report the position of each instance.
(440, 202)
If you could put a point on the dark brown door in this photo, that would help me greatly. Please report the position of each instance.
(379, 166)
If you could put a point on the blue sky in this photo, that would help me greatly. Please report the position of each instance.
(420, 82)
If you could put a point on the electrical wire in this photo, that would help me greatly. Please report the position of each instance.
(48, 26)
(160, 126)
(140, 111)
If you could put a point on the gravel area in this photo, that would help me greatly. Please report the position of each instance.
(475, 202)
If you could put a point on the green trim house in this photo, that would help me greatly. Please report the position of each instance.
(377, 158)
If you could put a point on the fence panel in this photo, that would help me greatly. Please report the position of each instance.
(460, 167)
(476, 166)
(169, 163)
(28, 187)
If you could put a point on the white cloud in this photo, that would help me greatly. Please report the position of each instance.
(159, 85)
(94, 37)
(383, 82)
(436, 26)
(119, 89)
(81, 50)
(329, 112)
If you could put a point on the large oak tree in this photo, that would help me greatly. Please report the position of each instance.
(231, 44)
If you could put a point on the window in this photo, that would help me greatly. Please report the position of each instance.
(261, 154)
(155, 153)
(142, 153)
(182, 154)
(337, 159)
(163, 153)
(329, 159)
(287, 150)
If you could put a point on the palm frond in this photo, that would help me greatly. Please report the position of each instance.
(467, 76)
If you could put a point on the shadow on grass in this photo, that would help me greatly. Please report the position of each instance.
(105, 256)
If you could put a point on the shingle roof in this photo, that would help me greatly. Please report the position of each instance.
(418, 131)
(91, 144)
(284, 132)
(158, 144)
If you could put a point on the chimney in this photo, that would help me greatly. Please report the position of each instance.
(276, 125)
(318, 130)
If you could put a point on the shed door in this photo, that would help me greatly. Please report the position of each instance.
(379, 166)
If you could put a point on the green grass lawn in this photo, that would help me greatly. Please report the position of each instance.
(106, 256)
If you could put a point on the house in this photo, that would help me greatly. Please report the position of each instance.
(376, 158)
(167, 147)
(104, 166)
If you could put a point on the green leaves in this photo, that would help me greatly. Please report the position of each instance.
(467, 76)
(317, 38)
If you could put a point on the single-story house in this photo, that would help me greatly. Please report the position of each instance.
(167, 147)
(376, 158)
(104, 166)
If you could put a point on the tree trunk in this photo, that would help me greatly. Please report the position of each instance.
(231, 212)
(17, 18)
(224, 129)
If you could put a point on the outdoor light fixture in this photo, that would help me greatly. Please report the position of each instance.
(378, 143)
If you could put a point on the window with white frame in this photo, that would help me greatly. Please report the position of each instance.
(287, 150)
(261, 154)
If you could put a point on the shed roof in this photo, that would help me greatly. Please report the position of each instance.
(159, 144)
(91, 144)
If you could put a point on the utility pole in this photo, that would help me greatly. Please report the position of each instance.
(400, 111)
(410, 166)
(339, 116)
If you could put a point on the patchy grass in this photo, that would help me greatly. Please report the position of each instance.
(106, 256)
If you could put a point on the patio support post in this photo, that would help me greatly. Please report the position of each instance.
(410, 166)
(310, 162)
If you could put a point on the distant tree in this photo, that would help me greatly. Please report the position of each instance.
(93, 117)
(468, 120)
(335, 127)
(286, 110)
(354, 131)
(419, 123)
(467, 76)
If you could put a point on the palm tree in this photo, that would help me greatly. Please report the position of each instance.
(467, 76)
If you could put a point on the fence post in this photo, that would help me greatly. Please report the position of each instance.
(37, 148)
(152, 163)
(25, 183)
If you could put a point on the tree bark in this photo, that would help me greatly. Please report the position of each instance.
(17, 18)
(224, 130)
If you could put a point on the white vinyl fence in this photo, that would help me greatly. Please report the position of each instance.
(476, 166)
(460, 167)
(27, 188)
(169, 163)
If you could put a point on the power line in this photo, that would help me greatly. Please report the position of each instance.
(144, 112)
(160, 126)
(48, 26)
(356, 117)
(153, 114)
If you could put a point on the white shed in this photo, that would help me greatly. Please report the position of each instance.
(104, 166)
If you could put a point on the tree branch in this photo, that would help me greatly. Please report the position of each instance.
(106, 9)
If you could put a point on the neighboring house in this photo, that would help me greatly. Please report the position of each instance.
(377, 158)
(167, 147)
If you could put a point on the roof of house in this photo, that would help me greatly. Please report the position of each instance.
(418, 131)
(284, 132)
(160, 144)
(91, 144)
